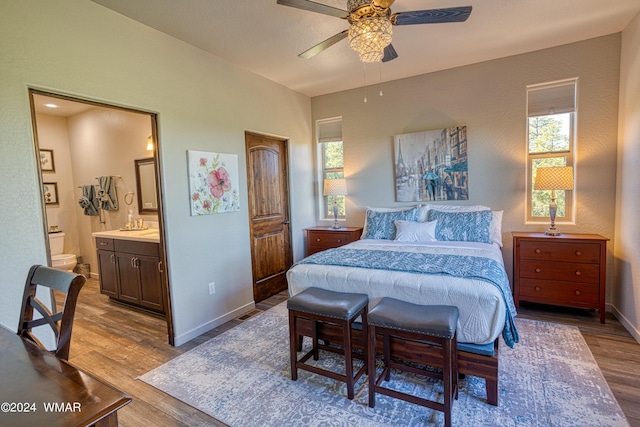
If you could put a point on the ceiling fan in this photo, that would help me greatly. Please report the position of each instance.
(371, 25)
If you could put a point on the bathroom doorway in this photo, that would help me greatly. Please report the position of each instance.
(88, 154)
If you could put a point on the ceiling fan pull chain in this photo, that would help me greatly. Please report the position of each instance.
(364, 80)
(380, 68)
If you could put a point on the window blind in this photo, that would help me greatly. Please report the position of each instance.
(551, 99)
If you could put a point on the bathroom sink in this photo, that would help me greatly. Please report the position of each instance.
(150, 234)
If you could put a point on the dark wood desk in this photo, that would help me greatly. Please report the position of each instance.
(38, 389)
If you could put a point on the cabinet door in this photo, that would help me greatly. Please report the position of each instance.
(128, 278)
(150, 283)
(107, 271)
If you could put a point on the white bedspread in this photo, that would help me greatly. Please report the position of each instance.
(482, 308)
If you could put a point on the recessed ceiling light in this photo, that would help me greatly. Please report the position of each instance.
(51, 106)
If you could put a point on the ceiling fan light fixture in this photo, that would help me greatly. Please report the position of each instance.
(369, 37)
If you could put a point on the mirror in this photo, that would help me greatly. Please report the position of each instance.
(146, 185)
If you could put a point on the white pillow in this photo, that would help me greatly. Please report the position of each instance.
(415, 232)
(400, 209)
(495, 228)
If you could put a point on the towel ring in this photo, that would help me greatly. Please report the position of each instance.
(128, 198)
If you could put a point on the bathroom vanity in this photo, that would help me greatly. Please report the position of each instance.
(131, 268)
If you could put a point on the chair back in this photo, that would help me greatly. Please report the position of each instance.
(60, 321)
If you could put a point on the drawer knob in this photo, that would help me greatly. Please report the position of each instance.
(339, 240)
(537, 288)
(577, 292)
(578, 253)
(538, 251)
(578, 273)
(538, 270)
(318, 239)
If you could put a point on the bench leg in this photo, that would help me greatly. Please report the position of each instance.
(293, 345)
(371, 366)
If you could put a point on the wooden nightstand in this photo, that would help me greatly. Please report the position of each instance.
(567, 270)
(321, 238)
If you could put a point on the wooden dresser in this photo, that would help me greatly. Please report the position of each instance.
(567, 270)
(321, 238)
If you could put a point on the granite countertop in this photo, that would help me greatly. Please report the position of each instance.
(148, 235)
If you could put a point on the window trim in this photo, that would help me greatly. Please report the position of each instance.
(323, 205)
(569, 155)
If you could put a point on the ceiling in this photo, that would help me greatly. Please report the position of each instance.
(266, 38)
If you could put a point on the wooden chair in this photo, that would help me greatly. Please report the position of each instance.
(61, 322)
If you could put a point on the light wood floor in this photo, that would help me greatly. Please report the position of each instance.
(117, 344)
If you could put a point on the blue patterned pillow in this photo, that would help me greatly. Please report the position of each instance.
(380, 225)
(462, 226)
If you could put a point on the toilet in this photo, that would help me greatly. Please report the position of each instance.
(60, 260)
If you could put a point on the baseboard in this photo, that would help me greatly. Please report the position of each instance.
(635, 333)
(193, 333)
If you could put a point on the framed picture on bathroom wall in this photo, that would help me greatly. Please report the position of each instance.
(50, 193)
(46, 161)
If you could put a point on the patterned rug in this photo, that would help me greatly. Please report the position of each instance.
(242, 378)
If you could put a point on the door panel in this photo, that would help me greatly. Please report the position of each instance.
(267, 180)
(128, 278)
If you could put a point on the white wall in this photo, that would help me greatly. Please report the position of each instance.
(53, 135)
(203, 103)
(489, 98)
(627, 249)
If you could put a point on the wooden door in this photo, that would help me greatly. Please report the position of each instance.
(268, 188)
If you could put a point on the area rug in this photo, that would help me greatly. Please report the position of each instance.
(242, 378)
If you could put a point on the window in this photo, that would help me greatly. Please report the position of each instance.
(551, 122)
(331, 159)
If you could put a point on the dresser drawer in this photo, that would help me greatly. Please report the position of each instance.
(560, 251)
(550, 270)
(328, 239)
(556, 292)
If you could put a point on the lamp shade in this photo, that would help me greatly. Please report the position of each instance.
(335, 187)
(554, 178)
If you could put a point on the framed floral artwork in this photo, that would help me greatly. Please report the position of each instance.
(46, 161)
(50, 193)
(213, 182)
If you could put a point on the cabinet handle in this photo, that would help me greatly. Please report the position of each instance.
(538, 251)
(578, 253)
(578, 293)
(538, 270)
(132, 262)
(537, 288)
(112, 257)
(160, 270)
(103, 243)
(578, 273)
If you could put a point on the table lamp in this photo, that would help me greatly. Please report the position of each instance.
(554, 178)
(335, 187)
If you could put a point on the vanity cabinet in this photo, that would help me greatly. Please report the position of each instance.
(131, 272)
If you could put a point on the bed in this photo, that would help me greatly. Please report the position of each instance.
(429, 255)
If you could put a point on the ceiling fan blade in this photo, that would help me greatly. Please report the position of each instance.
(315, 7)
(389, 53)
(432, 16)
(310, 53)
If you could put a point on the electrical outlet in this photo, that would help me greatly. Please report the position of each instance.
(212, 288)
